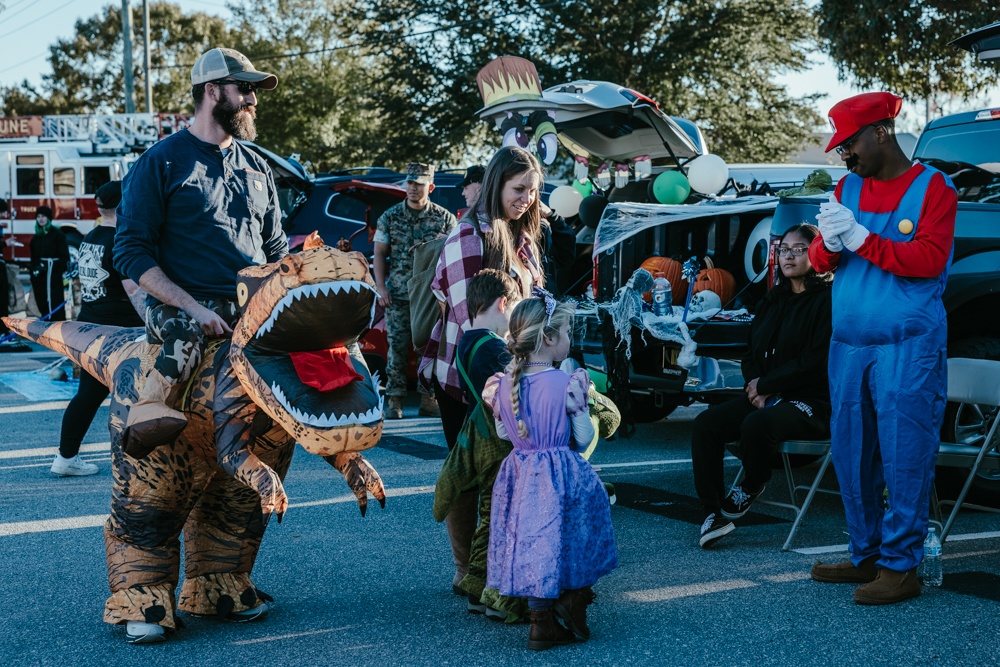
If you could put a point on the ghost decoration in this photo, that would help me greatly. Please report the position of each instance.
(604, 176)
(621, 175)
(643, 166)
(705, 304)
(581, 168)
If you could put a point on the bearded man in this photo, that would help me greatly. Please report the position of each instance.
(196, 208)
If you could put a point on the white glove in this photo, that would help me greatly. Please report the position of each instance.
(854, 237)
(832, 222)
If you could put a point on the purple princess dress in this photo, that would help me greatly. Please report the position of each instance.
(550, 526)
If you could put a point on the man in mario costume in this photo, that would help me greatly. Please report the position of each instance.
(888, 230)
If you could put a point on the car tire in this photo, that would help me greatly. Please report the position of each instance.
(965, 424)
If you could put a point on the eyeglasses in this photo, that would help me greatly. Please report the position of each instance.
(845, 147)
(794, 251)
(245, 87)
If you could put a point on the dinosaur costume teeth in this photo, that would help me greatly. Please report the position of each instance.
(352, 287)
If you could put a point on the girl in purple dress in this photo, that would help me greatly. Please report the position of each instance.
(551, 535)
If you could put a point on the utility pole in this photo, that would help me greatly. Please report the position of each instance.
(145, 42)
(127, 52)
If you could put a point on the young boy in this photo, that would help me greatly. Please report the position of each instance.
(482, 350)
(472, 465)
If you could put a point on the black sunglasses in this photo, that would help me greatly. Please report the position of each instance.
(845, 146)
(245, 87)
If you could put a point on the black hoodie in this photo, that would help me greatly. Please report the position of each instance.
(790, 344)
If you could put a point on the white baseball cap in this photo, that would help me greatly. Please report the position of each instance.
(222, 63)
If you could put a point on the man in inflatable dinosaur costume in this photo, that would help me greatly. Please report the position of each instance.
(291, 373)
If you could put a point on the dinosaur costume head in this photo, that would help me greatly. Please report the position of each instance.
(294, 347)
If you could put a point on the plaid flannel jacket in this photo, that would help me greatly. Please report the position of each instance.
(461, 258)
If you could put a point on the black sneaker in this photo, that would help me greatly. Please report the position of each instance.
(714, 529)
(738, 502)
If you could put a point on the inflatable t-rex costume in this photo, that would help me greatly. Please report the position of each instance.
(247, 404)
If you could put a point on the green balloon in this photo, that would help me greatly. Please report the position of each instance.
(586, 188)
(671, 187)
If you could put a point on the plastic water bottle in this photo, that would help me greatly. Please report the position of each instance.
(932, 559)
(663, 299)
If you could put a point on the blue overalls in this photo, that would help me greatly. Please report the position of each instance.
(888, 383)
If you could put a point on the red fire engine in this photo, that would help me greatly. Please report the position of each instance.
(60, 161)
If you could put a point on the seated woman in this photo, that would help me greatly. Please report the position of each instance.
(787, 389)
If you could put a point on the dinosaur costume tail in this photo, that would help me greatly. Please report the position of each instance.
(89, 345)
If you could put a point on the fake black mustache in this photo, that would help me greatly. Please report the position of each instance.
(851, 162)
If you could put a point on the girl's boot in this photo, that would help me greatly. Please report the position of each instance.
(546, 631)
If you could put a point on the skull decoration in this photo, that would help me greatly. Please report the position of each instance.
(706, 302)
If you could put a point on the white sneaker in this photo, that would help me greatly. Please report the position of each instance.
(137, 632)
(74, 466)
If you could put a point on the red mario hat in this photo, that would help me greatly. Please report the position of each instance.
(850, 115)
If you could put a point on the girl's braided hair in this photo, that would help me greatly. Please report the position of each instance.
(529, 324)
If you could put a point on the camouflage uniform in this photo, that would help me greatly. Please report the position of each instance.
(182, 338)
(401, 228)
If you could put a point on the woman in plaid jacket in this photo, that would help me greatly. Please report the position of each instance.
(500, 231)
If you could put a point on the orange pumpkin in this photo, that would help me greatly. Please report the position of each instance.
(672, 272)
(719, 281)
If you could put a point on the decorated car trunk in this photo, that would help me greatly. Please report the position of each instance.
(645, 182)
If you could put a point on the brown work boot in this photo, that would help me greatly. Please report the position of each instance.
(395, 408)
(429, 406)
(572, 609)
(889, 587)
(546, 631)
(151, 422)
(845, 572)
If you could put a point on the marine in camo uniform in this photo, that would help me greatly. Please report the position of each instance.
(413, 221)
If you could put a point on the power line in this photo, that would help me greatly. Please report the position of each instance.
(8, 34)
(28, 60)
(7, 17)
(385, 40)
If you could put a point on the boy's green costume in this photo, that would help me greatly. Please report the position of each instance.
(473, 464)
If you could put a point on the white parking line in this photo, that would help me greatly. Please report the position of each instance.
(93, 521)
(294, 635)
(51, 451)
(41, 407)
(689, 590)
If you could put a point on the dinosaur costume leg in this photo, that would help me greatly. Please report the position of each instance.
(151, 499)
(221, 539)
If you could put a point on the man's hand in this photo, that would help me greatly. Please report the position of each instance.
(384, 298)
(834, 219)
(211, 323)
(854, 237)
(751, 389)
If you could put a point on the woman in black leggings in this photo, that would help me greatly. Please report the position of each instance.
(787, 393)
(106, 298)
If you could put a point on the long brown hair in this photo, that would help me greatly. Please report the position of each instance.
(813, 279)
(500, 246)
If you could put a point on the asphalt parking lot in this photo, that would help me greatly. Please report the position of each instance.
(376, 591)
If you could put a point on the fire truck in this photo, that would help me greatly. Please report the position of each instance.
(59, 161)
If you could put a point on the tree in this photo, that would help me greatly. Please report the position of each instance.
(333, 104)
(87, 68)
(710, 61)
(902, 45)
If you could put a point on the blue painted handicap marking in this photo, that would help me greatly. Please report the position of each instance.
(37, 387)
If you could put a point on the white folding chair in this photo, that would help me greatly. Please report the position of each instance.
(975, 382)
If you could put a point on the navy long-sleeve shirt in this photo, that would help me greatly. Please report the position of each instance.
(198, 214)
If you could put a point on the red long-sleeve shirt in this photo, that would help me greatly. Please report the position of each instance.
(923, 256)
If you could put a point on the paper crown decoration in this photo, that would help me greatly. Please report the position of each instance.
(508, 79)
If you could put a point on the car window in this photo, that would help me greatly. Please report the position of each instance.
(449, 197)
(341, 206)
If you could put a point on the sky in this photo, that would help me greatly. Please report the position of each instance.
(28, 27)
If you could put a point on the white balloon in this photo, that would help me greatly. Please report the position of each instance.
(707, 174)
(565, 200)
